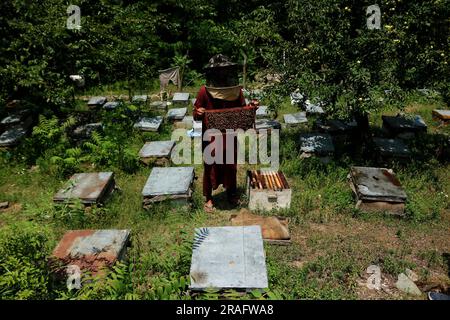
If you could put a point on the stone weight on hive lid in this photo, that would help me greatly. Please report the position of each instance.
(267, 124)
(111, 105)
(139, 99)
(90, 250)
(149, 123)
(172, 184)
(377, 190)
(89, 188)
(228, 258)
(157, 152)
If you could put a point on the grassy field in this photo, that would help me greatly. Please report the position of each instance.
(332, 243)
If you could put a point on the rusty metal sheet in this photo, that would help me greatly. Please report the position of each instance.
(88, 187)
(401, 124)
(228, 258)
(391, 147)
(180, 97)
(92, 250)
(139, 98)
(316, 143)
(295, 118)
(168, 181)
(96, 101)
(176, 113)
(157, 149)
(442, 114)
(111, 105)
(377, 184)
(149, 124)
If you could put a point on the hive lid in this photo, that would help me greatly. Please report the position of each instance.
(168, 181)
(156, 149)
(404, 123)
(16, 117)
(377, 184)
(111, 105)
(266, 124)
(443, 114)
(320, 144)
(149, 124)
(96, 101)
(12, 136)
(139, 98)
(176, 113)
(313, 108)
(88, 187)
(391, 147)
(262, 111)
(180, 97)
(92, 249)
(228, 257)
(295, 118)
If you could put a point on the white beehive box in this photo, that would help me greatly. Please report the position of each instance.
(264, 195)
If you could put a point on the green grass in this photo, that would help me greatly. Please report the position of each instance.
(333, 242)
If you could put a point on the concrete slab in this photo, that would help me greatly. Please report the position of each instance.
(92, 250)
(157, 149)
(317, 144)
(139, 98)
(176, 113)
(168, 181)
(262, 112)
(228, 258)
(111, 105)
(149, 124)
(392, 147)
(96, 101)
(295, 118)
(89, 188)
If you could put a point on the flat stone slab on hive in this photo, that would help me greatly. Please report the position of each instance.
(392, 147)
(13, 135)
(295, 118)
(96, 101)
(228, 257)
(16, 118)
(92, 249)
(316, 143)
(149, 124)
(266, 124)
(168, 181)
(313, 108)
(262, 112)
(111, 105)
(176, 113)
(139, 98)
(157, 149)
(442, 114)
(87, 187)
(159, 104)
(181, 97)
(336, 126)
(377, 184)
(401, 123)
(86, 130)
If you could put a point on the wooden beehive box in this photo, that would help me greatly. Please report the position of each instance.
(268, 190)
(157, 152)
(174, 184)
(377, 190)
